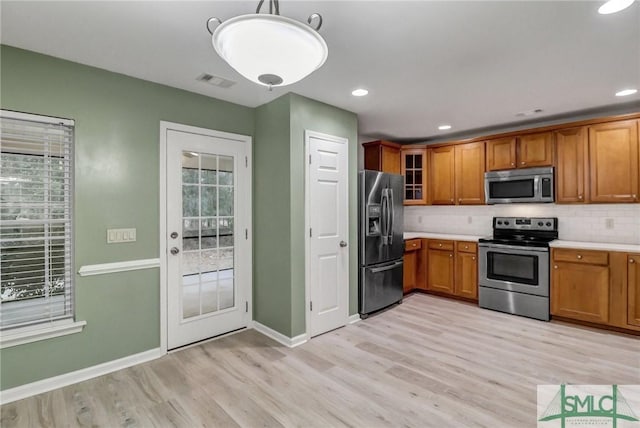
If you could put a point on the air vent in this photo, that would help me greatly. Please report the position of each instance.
(529, 112)
(218, 81)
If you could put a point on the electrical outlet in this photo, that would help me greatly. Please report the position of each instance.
(608, 223)
(116, 236)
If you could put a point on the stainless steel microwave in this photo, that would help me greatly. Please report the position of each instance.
(532, 185)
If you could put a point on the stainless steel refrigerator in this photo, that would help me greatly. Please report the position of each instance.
(381, 244)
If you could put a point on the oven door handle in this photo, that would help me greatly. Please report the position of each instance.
(515, 247)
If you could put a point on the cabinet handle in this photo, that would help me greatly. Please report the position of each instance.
(459, 199)
(579, 257)
(634, 196)
(451, 200)
(631, 261)
(439, 245)
(513, 164)
(450, 255)
(579, 196)
(473, 258)
(466, 247)
(523, 163)
(555, 266)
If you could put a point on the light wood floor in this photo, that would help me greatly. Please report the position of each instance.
(429, 362)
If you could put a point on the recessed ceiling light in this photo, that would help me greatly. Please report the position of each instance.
(613, 6)
(444, 127)
(626, 92)
(359, 92)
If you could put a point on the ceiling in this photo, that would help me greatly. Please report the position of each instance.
(425, 63)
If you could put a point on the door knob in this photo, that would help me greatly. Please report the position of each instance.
(174, 250)
(343, 244)
(174, 235)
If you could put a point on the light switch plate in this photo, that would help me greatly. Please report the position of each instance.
(116, 236)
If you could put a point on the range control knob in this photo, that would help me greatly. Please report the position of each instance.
(548, 224)
(540, 223)
(499, 222)
(506, 223)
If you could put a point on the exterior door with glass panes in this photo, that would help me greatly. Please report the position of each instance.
(208, 211)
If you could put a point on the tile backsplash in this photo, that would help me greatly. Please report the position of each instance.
(612, 223)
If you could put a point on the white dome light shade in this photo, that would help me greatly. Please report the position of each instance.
(270, 50)
(613, 6)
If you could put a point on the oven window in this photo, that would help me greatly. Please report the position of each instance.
(512, 189)
(518, 268)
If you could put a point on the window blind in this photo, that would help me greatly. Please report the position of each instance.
(36, 178)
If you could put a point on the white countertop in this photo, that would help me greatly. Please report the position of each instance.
(604, 246)
(434, 235)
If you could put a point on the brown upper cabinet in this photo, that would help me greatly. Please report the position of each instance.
(415, 175)
(525, 151)
(501, 154)
(382, 156)
(441, 175)
(469, 173)
(572, 165)
(613, 161)
(456, 174)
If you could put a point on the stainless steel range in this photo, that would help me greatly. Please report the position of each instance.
(514, 266)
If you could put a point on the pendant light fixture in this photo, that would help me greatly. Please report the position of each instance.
(270, 49)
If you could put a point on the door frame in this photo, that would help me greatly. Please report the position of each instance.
(308, 134)
(247, 217)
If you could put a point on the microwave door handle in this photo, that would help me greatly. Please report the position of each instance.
(536, 186)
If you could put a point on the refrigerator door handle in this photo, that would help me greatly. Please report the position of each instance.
(384, 268)
(384, 220)
(391, 217)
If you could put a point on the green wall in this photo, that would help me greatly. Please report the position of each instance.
(116, 185)
(279, 228)
(316, 116)
(272, 217)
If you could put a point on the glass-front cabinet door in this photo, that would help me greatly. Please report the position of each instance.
(414, 161)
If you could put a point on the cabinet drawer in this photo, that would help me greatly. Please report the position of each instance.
(581, 256)
(412, 244)
(466, 247)
(437, 244)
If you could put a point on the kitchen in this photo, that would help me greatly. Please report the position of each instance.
(194, 193)
(565, 227)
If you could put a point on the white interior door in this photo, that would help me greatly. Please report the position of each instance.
(207, 218)
(328, 218)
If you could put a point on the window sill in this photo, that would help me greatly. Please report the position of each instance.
(40, 332)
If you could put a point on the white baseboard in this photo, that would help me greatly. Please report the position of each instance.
(353, 319)
(45, 385)
(289, 342)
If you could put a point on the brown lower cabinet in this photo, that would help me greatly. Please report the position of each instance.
(580, 285)
(411, 250)
(440, 268)
(466, 279)
(633, 289)
(452, 268)
(599, 287)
